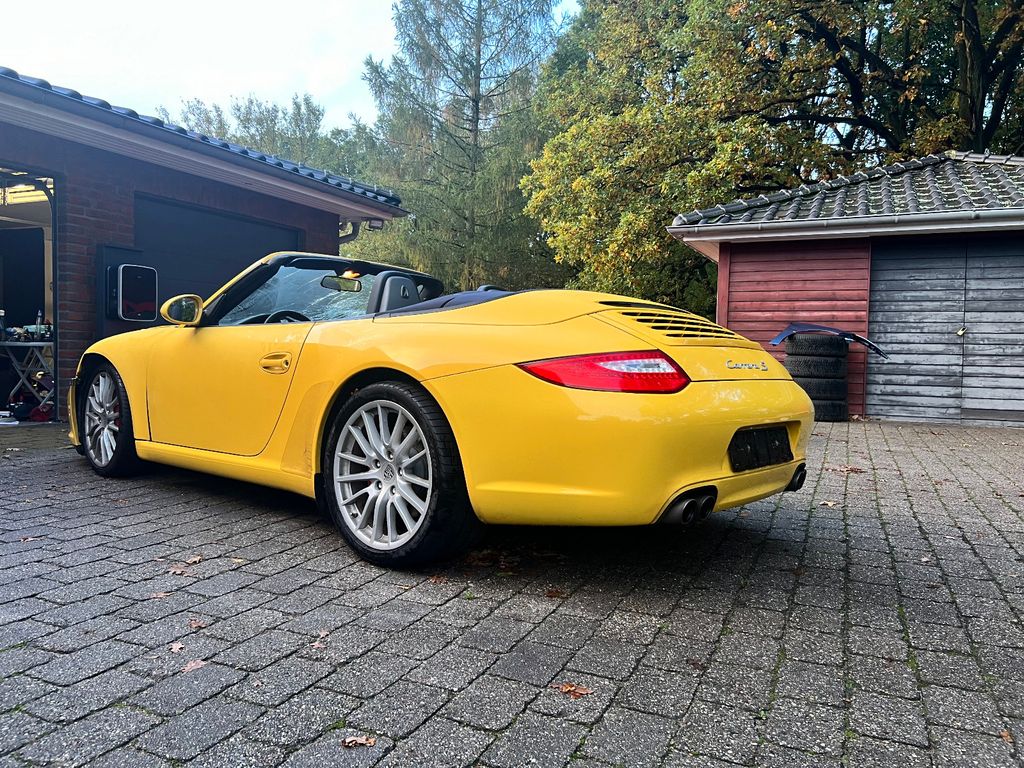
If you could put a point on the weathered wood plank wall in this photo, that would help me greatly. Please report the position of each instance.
(764, 287)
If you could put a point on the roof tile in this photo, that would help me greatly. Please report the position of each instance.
(369, 191)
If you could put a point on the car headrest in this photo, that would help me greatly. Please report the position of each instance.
(392, 290)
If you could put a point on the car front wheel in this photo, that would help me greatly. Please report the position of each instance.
(393, 478)
(105, 426)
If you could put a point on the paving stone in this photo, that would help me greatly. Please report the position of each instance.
(452, 668)
(179, 692)
(399, 709)
(490, 702)
(535, 740)
(967, 710)
(78, 743)
(239, 752)
(718, 731)
(420, 641)
(814, 647)
(368, 675)
(866, 752)
(262, 650)
(83, 698)
(129, 757)
(188, 735)
(891, 677)
(495, 634)
(18, 729)
(281, 680)
(607, 657)
(19, 690)
(531, 662)
(564, 631)
(441, 743)
(624, 736)
(804, 726)
(886, 717)
(329, 750)
(76, 666)
(302, 718)
(741, 687)
(658, 691)
(963, 749)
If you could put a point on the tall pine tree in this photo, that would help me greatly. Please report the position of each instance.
(454, 135)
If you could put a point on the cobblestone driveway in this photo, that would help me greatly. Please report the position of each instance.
(873, 619)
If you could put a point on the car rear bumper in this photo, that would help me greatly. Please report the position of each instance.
(535, 453)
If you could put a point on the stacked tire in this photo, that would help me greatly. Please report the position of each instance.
(818, 363)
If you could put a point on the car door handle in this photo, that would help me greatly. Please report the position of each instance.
(276, 362)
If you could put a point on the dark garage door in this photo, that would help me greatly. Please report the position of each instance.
(950, 312)
(196, 250)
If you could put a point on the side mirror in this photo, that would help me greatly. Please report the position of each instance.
(183, 310)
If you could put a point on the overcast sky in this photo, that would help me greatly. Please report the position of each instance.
(145, 54)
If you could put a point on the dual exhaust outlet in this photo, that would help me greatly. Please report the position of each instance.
(694, 505)
(700, 503)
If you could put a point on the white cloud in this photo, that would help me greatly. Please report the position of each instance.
(144, 54)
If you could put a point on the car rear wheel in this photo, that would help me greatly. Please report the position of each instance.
(394, 478)
(105, 424)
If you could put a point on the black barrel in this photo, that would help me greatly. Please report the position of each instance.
(818, 363)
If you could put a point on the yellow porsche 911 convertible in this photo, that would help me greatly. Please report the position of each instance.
(412, 416)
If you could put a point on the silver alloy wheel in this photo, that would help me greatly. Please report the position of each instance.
(102, 418)
(382, 474)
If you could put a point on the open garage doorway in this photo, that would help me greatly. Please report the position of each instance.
(27, 264)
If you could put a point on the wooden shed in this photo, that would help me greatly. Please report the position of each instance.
(925, 257)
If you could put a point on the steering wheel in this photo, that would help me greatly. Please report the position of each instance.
(286, 316)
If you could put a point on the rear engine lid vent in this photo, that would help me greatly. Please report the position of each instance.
(673, 325)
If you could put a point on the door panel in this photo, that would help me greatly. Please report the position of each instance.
(917, 307)
(222, 388)
(993, 369)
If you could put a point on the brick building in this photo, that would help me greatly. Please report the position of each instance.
(86, 187)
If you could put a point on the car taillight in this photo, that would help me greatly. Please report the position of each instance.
(646, 371)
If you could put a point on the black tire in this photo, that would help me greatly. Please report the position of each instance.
(123, 460)
(449, 526)
(824, 389)
(831, 410)
(816, 345)
(816, 367)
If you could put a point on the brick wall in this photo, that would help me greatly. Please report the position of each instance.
(95, 205)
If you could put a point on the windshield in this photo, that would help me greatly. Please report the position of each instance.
(301, 292)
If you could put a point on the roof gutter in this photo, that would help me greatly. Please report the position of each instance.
(705, 238)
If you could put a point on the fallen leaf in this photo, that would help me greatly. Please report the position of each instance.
(23, 539)
(176, 647)
(572, 690)
(829, 504)
(193, 665)
(239, 560)
(743, 513)
(318, 644)
(437, 578)
(194, 560)
(1005, 736)
(846, 469)
(358, 741)
(196, 624)
(159, 595)
(178, 570)
(323, 633)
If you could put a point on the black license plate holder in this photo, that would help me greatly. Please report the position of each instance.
(758, 447)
